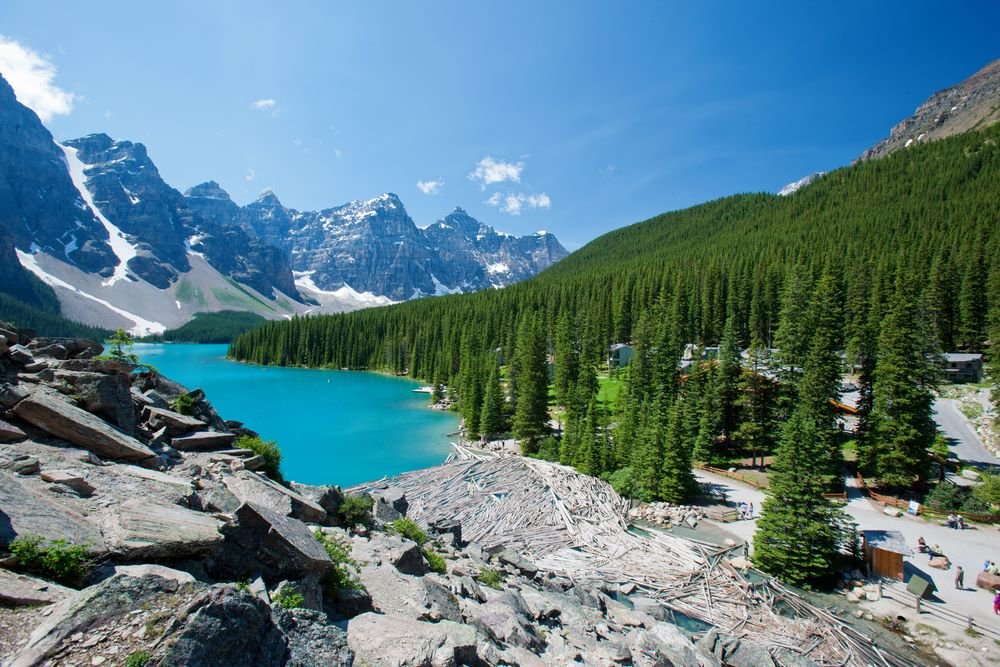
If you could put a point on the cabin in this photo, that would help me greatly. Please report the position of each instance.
(963, 367)
(620, 355)
(884, 551)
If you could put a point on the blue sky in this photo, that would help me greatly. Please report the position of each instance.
(575, 117)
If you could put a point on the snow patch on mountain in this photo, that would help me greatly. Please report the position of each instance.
(303, 280)
(120, 245)
(143, 327)
(792, 188)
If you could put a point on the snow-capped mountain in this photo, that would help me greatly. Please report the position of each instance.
(93, 219)
(372, 247)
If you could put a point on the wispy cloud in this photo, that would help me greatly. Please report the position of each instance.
(251, 175)
(266, 105)
(489, 171)
(430, 187)
(31, 76)
(514, 203)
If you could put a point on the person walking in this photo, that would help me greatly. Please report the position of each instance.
(960, 578)
(996, 604)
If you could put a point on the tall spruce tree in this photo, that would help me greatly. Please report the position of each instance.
(798, 534)
(903, 427)
(531, 410)
(757, 403)
(493, 420)
(677, 481)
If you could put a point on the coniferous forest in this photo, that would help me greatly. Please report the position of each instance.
(881, 265)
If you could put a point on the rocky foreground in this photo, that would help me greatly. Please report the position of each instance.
(198, 558)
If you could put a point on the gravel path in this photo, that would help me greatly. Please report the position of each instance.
(965, 444)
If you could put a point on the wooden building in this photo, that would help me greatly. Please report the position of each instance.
(884, 551)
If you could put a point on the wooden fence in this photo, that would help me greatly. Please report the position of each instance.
(757, 484)
(929, 511)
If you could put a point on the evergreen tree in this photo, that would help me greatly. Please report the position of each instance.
(798, 534)
(493, 420)
(902, 415)
(757, 403)
(567, 359)
(677, 482)
(728, 379)
(531, 410)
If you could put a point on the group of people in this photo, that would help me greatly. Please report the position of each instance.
(746, 511)
(931, 551)
(956, 522)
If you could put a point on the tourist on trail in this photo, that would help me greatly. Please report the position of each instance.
(992, 569)
(922, 547)
(960, 578)
(960, 522)
(996, 604)
(750, 516)
(951, 520)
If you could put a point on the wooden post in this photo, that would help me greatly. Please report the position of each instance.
(918, 605)
(969, 625)
(880, 588)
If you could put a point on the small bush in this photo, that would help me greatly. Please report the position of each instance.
(409, 529)
(490, 577)
(343, 576)
(267, 449)
(435, 561)
(622, 482)
(66, 563)
(289, 597)
(183, 404)
(356, 510)
(137, 659)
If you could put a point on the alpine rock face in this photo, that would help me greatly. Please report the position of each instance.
(373, 250)
(93, 219)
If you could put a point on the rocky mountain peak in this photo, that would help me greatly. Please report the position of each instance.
(268, 198)
(972, 104)
(208, 190)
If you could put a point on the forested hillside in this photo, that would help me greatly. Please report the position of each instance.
(928, 215)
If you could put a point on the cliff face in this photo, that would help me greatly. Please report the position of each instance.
(972, 104)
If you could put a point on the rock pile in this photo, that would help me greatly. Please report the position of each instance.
(205, 561)
(668, 515)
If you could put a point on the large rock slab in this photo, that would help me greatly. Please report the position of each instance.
(393, 550)
(53, 414)
(11, 394)
(225, 627)
(403, 595)
(69, 479)
(25, 512)
(312, 640)
(395, 641)
(19, 589)
(79, 348)
(250, 487)
(203, 441)
(106, 395)
(175, 422)
(505, 619)
(261, 542)
(9, 432)
(140, 529)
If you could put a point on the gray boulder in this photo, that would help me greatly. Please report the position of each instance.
(250, 487)
(203, 441)
(393, 550)
(225, 627)
(403, 595)
(26, 512)
(312, 640)
(505, 619)
(19, 589)
(175, 423)
(140, 529)
(53, 414)
(106, 395)
(70, 479)
(11, 394)
(9, 432)
(261, 542)
(395, 641)
(22, 464)
(327, 497)
(76, 348)
(20, 354)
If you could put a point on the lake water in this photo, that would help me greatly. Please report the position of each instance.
(333, 427)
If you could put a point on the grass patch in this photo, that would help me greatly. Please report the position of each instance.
(188, 293)
(435, 561)
(265, 448)
(343, 576)
(972, 632)
(183, 404)
(289, 597)
(409, 529)
(608, 391)
(59, 560)
(137, 659)
(929, 629)
(356, 510)
(971, 410)
(490, 577)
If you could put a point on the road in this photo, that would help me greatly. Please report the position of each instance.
(965, 444)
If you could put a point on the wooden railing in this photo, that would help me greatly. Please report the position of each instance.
(930, 511)
(757, 484)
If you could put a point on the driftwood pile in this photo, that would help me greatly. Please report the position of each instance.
(576, 526)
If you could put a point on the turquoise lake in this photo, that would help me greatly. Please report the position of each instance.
(333, 427)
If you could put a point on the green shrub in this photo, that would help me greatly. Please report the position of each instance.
(137, 659)
(435, 561)
(356, 510)
(621, 481)
(183, 404)
(267, 449)
(343, 576)
(409, 529)
(66, 563)
(490, 577)
(289, 597)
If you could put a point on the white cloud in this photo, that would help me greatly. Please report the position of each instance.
(30, 74)
(266, 104)
(251, 175)
(489, 171)
(515, 202)
(430, 187)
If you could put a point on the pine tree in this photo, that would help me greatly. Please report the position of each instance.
(903, 427)
(757, 403)
(727, 380)
(677, 482)
(531, 411)
(797, 535)
(493, 422)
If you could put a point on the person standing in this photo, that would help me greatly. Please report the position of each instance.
(960, 578)
(996, 604)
